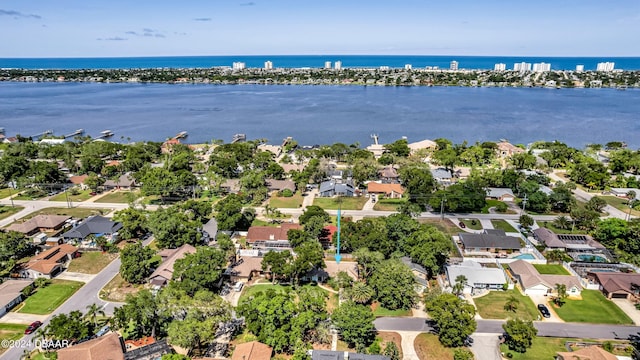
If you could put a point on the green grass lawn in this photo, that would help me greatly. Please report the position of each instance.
(549, 225)
(388, 204)
(74, 212)
(91, 262)
(593, 308)
(621, 204)
(503, 225)
(47, 299)
(493, 203)
(491, 306)
(81, 196)
(446, 226)
(6, 192)
(428, 347)
(294, 201)
(10, 332)
(6, 211)
(121, 197)
(551, 269)
(379, 311)
(543, 348)
(259, 222)
(473, 224)
(348, 203)
(247, 291)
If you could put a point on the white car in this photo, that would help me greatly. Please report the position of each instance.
(238, 286)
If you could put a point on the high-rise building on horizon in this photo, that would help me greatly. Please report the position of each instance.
(327, 64)
(541, 67)
(268, 65)
(453, 65)
(239, 65)
(408, 66)
(523, 66)
(580, 68)
(500, 67)
(337, 65)
(605, 66)
(384, 68)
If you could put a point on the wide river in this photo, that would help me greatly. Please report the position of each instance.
(322, 114)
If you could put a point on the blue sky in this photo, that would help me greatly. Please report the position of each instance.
(65, 28)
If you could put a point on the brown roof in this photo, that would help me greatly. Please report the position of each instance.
(165, 269)
(388, 172)
(508, 147)
(258, 233)
(11, 289)
(529, 276)
(549, 238)
(248, 265)
(614, 282)
(107, 347)
(56, 252)
(290, 167)
(588, 353)
(388, 189)
(78, 179)
(44, 267)
(39, 221)
(252, 351)
(125, 180)
(279, 185)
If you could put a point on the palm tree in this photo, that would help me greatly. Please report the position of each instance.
(511, 304)
(360, 293)
(561, 290)
(561, 222)
(93, 311)
(461, 282)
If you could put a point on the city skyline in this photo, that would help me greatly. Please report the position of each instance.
(410, 27)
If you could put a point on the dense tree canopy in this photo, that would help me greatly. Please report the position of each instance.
(136, 263)
(355, 323)
(394, 285)
(201, 270)
(454, 319)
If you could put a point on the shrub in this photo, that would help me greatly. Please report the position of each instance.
(286, 193)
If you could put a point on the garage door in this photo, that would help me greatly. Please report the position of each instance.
(619, 295)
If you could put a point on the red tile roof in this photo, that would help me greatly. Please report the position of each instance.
(262, 233)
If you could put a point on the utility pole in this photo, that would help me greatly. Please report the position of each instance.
(66, 195)
(442, 201)
(524, 204)
(11, 194)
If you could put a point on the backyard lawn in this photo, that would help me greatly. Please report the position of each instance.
(91, 262)
(348, 203)
(388, 204)
(428, 347)
(10, 332)
(6, 211)
(81, 196)
(593, 308)
(473, 224)
(551, 269)
(294, 201)
(121, 197)
(503, 225)
(47, 299)
(491, 306)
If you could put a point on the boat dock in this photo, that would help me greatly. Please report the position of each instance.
(104, 134)
(42, 134)
(181, 135)
(238, 137)
(75, 133)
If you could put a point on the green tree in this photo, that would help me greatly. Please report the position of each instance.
(313, 211)
(519, 334)
(429, 247)
(453, 317)
(200, 270)
(462, 354)
(135, 264)
(561, 295)
(394, 285)
(309, 256)
(355, 323)
(418, 182)
(93, 311)
(526, 220)
(139, 316)
(67, 327)
(94, 182)
(391, 351)
(278, 264)
(13, 246)
(596, 204)
(511, 304)
(367, 261)
(360, 293)
(461, 282)
(174, 227)
(134, 222)
(398, 148)
(229, 214)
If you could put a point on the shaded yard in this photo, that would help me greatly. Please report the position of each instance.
(47, 299)
(593, 308)
(491, 306)
(91, 262)
(348, 203)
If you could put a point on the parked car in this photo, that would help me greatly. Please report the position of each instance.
(462, 225)
(31, 328)
(238, 286)
(544, 311)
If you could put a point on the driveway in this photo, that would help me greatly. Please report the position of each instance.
(85, 278)
(486, 346)
(541, 299)
(19, 318)
(629, 309)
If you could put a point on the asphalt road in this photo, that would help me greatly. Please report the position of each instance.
(590, 331)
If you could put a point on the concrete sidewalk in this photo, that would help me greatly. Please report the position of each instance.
(408, 350)
(629, 309)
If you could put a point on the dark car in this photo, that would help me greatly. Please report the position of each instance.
(462, 225)
(34, 325)
(544, 311)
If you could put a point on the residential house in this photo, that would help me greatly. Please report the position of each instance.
(123, 182)
(279, 185)
(420, 274)
(40, 223)
(588, 353)
(506, 149)
(253, 350)
(48, 263)
(11, 294)
(164, 273)
(167, 146)
(502, 194)
(424, 144)
(107, 347)
(150, 351)
(210, 230)
(292, 167)
(267, 237)
(478, 277)
(389, 175)
(244, 268)
(489, 241)
(336, 188)
(622, 192)
(390, 191)
(442, 176)
(534, 283)
(274, 149)
(567, 242)
(93, 225)
(615, 285)
(78, 180)
(230, 186)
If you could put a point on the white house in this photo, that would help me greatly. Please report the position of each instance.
(478, 277)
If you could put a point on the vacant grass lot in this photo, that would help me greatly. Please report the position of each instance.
(248, 291)
(491, 306)
(81, 196)
(73, 212)
(446, 226)
(47, 299)
(379, 311)
(503, 225)
(388, 204)
(593, 308)
(543, 348)
(428, 347)
(348, 203)
(121, 197)
(117, 289)
(294, 201)
(551, 269)
(6, 211)
(91, 262)
(10, 332)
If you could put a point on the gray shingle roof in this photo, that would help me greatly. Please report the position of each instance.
(484, 241)
(93, 225)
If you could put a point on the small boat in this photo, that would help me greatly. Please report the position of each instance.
(182, 135)
(106, 133)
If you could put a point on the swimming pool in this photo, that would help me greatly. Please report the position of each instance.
(591, 258)
(525, 257)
